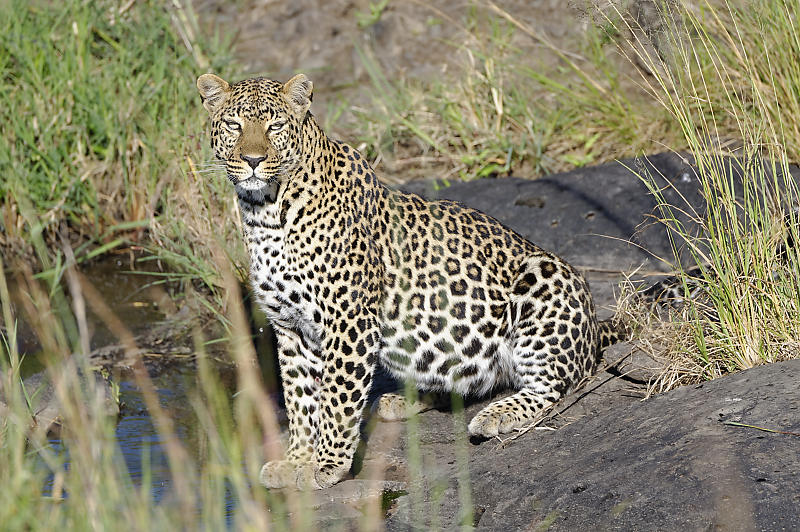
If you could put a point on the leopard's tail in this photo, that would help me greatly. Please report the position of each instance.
(610, 332)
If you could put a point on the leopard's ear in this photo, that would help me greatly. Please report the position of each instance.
(213, 90)
(298, 93)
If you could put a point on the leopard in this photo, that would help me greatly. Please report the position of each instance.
(354, 276)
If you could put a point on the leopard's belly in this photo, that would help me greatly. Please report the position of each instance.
(444, 340)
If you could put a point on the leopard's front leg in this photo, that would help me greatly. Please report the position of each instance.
(350, 354)
(301, 375)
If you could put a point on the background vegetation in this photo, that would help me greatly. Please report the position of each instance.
(101, 130)
(101, 138)
(504, 111)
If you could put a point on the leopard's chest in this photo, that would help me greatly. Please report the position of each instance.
(281, 282)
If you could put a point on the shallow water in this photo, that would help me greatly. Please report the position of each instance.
(130, 298)
(137, 434)
(122, 284)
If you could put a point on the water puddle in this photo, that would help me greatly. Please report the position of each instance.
(133, 297)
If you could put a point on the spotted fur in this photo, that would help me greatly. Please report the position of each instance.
(352, 274)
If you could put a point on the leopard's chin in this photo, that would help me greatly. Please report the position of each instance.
(253, 183)
(257, 191)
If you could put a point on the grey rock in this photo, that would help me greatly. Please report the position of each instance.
(597, 217)
(669, 463)
(601, 219)
(45, 409)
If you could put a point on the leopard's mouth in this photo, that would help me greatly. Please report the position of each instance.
(255, 182)
(258, 178)
(251, 183)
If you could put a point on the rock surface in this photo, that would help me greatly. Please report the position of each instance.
(668, 463)
(602, 219)
(45, 408)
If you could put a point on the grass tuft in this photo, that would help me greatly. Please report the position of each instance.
(726, 83)
(100, 118)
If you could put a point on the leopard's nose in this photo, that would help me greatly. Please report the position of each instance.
(253, 161)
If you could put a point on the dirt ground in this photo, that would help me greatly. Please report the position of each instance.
(409, 39)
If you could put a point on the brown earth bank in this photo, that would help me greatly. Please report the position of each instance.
(409, 38)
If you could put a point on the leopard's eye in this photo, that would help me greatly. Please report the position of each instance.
(233, 126)
(277, 126)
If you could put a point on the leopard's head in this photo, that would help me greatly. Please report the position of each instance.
(256, 127)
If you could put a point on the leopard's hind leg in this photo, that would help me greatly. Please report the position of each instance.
(553, 340)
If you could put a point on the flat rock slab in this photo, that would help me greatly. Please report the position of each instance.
(601, 216)
(668, 463)
(594, 217)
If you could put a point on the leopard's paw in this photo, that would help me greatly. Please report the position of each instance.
(312, 476)
(489, 424)
(278, 474)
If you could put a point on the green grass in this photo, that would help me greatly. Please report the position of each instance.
(734, 97)
(100, 126)
(500, 111)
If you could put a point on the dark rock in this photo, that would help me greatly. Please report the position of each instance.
(587, 216)
(596, 217)
(602, 219)
(668, 463)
